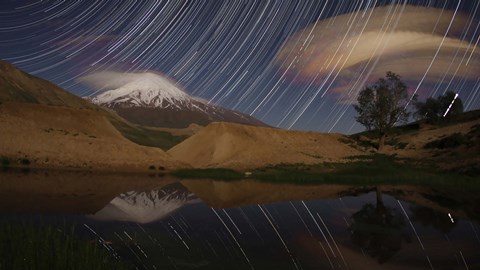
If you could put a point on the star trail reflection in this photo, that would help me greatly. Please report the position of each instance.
(292, 64)
(349, 227)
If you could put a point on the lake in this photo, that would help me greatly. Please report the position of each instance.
(160, 222)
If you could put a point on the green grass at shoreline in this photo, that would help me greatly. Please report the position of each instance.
(213, 173)
(362, 170)
(358, 170)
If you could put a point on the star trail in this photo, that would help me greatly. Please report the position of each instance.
(291, 64)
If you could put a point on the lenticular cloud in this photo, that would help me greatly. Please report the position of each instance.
(426, 46)
(108, 80)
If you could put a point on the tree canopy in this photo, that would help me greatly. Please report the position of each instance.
(433, 110)
(382, 105)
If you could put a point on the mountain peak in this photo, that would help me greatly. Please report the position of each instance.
(145, 90)
(151, 99)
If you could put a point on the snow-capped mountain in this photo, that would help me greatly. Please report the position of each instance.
(148, 90)
(152, 100)
(146, 207)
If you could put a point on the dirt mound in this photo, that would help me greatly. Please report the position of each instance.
(239, 146)
(461, 151)
(54, 136)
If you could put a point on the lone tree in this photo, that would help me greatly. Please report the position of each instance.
(383, 104)
(447, 106)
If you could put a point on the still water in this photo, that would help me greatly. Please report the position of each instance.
(156, 222)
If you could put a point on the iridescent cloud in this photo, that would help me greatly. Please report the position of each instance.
(343, 53)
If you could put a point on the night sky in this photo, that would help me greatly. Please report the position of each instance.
(292, 64)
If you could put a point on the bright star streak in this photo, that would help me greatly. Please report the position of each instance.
(279, 237)
(234, 238)
(321, 231)
(411, 225)
(228, 52)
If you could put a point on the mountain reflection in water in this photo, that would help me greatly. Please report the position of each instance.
(206, 224)
(146, 206)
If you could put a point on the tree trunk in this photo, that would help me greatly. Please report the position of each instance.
(381, 210)
(381, 141)
(379, 197)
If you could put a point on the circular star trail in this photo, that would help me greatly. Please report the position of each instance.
(292, 64)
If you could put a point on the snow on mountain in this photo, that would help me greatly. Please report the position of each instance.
(146, 207)
(153, 100)
(146, 90)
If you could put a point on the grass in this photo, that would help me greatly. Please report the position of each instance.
(461, 118)
(456, 139)
(370, 169)
(451, 141)
(4, 161)
(146, 136)
(361, 170)
(24, 161)
(412, 128)
(365, 170)
(153, 167)
(28, 247)
(474, 131)
(217, 174)
(397, 130)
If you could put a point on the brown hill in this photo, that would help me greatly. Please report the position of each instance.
(455, 146)
(18, 86)
(450, 144)
(51, 127)
(239, 146)
(54, 136)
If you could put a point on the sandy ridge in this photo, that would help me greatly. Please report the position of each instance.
(54, 136)
(240, 147)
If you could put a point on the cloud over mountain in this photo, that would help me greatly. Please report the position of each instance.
(107, 80)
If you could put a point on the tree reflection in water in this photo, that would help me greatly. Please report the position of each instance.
(379, 230)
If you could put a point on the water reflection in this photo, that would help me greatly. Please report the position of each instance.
(379, 230)
(64, 192)
(158, 223)
(147, 206)
(430, 217)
